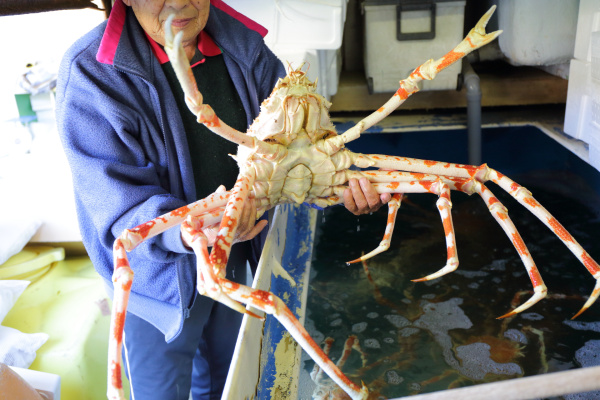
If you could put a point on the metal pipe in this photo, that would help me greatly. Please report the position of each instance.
(323, 68)
(471, 83)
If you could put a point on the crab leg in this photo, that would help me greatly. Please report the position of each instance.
(211, 282)
(498, 211)
(460, 175)
(131, 238)
(442, 189)
(444, 206)
(523, 196)
(230, 293)
(264, 301)
(239, 195)
(500, 214)
(384, 245)
(208, 283)
(350, 344)
(407, 182)
(204, 112)
(211, 269)
(206, 210)
(271, 304)
(428, 70)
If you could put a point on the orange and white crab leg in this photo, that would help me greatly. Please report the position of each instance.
(122, 280)
(208, 210)
(350, 344)
(523, 196)
(444, 206)
(193, 97)
(428, 70)
(500, 214)
(409, 182)
(496, 208)
(384, 245)
(131, 238)
(211, 282)
(482, 173)
(233, 211)
(208, 283)
(430, 184)
(271, 304)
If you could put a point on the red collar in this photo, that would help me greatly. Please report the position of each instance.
(110, 39)
(206, 45)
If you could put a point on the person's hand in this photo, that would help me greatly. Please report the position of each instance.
(247, 227)
(361, 197)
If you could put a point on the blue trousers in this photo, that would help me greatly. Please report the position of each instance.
(197, 360)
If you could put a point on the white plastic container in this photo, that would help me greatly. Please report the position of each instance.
(308, 24)
(588, 21)
(582, 114)
(537, 32)
(326, 65)
(580, 96)
(303, 31)
(399, 38)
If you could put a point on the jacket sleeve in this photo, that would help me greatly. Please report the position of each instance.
(117, 158)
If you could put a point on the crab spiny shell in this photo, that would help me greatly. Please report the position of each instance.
(293, 106)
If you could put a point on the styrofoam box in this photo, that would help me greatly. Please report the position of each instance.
(578, 111)
(308, 24)
(326, 65)
(303, 31)
(587, 22)
(388, 60)
(582, 114)
(537, 32)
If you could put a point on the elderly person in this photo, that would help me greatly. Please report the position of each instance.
(136, 152)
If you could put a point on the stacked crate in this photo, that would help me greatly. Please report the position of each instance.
(401, 34)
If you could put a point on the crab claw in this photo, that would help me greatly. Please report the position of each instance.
(169, 39)
(539, 293)
(477, 36)
(181, 64)
(364, 391)
(591, 300)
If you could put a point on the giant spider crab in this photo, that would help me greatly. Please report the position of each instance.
(292, 154)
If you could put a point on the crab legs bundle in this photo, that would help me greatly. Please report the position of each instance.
(292, 154)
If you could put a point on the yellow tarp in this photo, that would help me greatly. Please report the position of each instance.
(66, 300)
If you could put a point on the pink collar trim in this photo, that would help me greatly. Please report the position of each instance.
(116, 22)
(114, 28)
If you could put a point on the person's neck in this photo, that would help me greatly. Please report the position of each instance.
(190, 48)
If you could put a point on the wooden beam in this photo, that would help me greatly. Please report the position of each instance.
(18, 7)
(501, 85)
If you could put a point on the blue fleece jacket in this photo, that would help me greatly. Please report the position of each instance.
(124, 139)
